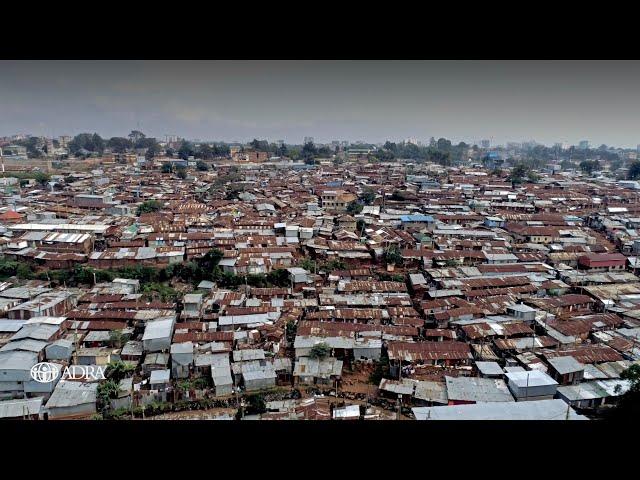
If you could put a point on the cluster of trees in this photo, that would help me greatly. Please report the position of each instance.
(310, 152)
(206, 268)
(10, 268)
(393, 256)
(36, 147)
(589, 166)
(179, 170)
(634, 171)
(94, 143)
(320, 350)
(41, 177)
(354, 208)
(368, 196)
(86, 141)
(628, 407)
(201, 166)
(264, 146)
(108, 389)
(203, 152)
(521, 173)
(440, 151)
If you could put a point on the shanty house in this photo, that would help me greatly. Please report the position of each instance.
(72, 400)
(566, 370)
(158, 333)
(531, 385)
(317, 370)
(61, 349)
(181, 359)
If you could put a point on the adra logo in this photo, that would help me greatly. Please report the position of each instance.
(45, 372)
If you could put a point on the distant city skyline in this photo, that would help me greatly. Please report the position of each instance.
(372, 101)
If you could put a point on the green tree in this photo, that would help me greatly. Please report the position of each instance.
(186, 150)
(261, 145)
(308, 264)
(589, 166)
(149, 206)
(566, 164)
(87, 141)
(634, 170)
(119, 144)
(616, 165)
(163, 291)
(320, 350)
(167, 168)
(282, 151)
(201, 166)
(24, 271)
(152, 151)
(278, 277)
(632, 374)
(117, 338)
(118, 370)
(518, 173)
(210, 260)
(41, 177)
(354, 207)
(255, 404)
(291, 329)
(392, 256)
(205, 152)
(629, 405)
(368, 196)
(181, 172)
(309, 151)
(107, 390)
(135, 136)
(381, 370)
(147, 142)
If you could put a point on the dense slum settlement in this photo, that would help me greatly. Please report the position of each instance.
(263, 288)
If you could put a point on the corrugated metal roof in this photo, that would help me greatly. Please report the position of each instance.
(20, 408)
(531, 410)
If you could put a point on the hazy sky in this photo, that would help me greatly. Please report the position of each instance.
(548, 101)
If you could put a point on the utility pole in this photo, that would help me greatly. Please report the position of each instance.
(75, 343)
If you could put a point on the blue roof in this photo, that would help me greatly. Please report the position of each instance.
(416, 218)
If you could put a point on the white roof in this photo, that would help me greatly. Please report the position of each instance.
(350, 411)
(532, 378)
(160, 328)
(489, 368)
(160, 376)
(566, 364)
(533, 410)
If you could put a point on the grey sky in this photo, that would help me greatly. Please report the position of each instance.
(549, 101)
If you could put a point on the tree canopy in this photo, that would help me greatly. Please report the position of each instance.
(589, 166)
(634, 170)
(320, 350)
(87, 141)
(149, 206)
